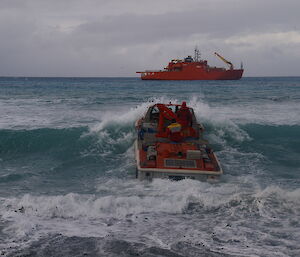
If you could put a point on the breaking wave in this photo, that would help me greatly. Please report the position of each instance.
(124, 202)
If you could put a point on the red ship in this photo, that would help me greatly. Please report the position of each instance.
(193, 69)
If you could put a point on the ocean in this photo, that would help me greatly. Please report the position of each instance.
(67, 170)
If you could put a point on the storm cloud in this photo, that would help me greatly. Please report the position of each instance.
(117, 37)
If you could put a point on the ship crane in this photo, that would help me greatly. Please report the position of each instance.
(224, 60)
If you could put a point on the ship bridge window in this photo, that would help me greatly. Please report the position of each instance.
(189, 59)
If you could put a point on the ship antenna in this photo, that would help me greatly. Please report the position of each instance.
(197, 55)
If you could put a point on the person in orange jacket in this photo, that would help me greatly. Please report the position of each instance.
(184, 115)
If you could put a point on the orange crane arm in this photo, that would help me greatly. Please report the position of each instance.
(164, 113)
(224, 60)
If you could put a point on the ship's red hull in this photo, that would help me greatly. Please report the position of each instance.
(192, 74)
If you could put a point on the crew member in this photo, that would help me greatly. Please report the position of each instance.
(184, 115)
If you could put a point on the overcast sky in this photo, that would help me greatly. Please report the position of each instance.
(119, 37)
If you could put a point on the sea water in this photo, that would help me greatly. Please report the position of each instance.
(67, 170)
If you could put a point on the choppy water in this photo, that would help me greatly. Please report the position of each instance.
(67, 170)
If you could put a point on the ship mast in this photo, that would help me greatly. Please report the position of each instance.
(197, 56)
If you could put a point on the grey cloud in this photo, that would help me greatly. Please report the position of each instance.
(69, 38)
(134, 29)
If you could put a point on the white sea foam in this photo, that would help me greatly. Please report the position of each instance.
(121, 201)
(264, 113)
(131, 197)
(33, 113)
(36, 113)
